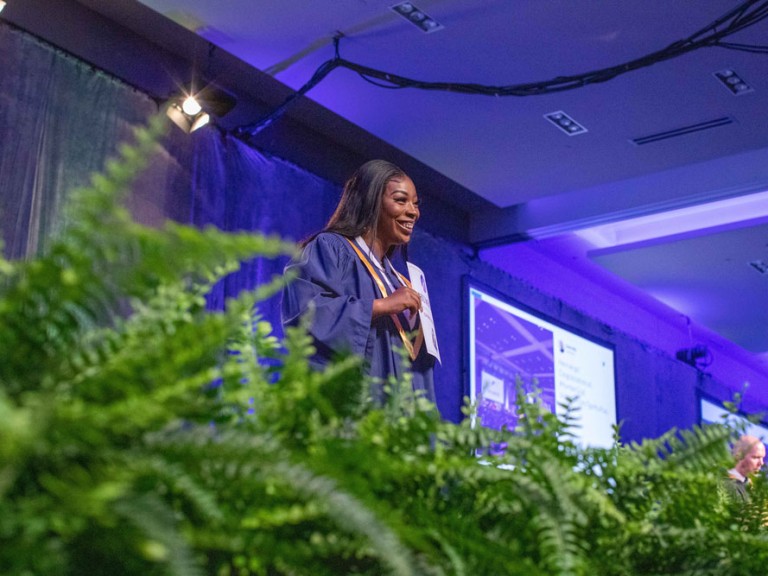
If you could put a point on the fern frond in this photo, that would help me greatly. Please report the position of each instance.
(162, 541)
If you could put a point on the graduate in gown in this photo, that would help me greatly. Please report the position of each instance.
(346, 283)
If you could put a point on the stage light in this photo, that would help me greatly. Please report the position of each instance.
(2, 5)
(191, 112)
(187, 114)
(187, 122)
(191, 106)
(201, 120)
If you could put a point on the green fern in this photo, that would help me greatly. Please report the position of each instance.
(141, 434)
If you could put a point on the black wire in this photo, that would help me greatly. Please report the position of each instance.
(745, 47)
(245, 132)
(744, 15)
(380, 84)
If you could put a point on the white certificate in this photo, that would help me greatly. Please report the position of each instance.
(419, 283)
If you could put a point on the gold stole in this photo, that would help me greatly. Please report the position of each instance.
(412, 347)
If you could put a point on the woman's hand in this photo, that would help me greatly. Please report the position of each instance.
(403, 298)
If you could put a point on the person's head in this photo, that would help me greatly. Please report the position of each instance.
(749, 453)
(379, 200)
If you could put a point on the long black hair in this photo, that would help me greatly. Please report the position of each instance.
(360, 204)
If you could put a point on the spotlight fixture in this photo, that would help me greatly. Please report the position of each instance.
(565, 123)
(417, 17)
(191, 112)
(181, 112)
(191, 107)
(2, 5)
(733, 82)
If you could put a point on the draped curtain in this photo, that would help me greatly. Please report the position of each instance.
(60, 120)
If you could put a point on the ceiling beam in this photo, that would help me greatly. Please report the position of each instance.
(716, 179)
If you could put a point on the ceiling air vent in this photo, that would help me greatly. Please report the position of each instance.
(724, 121)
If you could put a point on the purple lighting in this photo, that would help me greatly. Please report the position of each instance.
(693, 219)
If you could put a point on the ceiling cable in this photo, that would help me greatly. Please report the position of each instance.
(747, 14)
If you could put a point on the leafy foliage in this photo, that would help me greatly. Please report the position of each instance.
(142, 434)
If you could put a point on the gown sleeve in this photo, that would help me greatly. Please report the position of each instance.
(327, 293)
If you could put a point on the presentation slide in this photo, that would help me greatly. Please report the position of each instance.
(507, 343)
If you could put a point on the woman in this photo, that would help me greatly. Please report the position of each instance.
(348, 288)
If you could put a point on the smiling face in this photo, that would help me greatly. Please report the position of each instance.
(399, 213)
